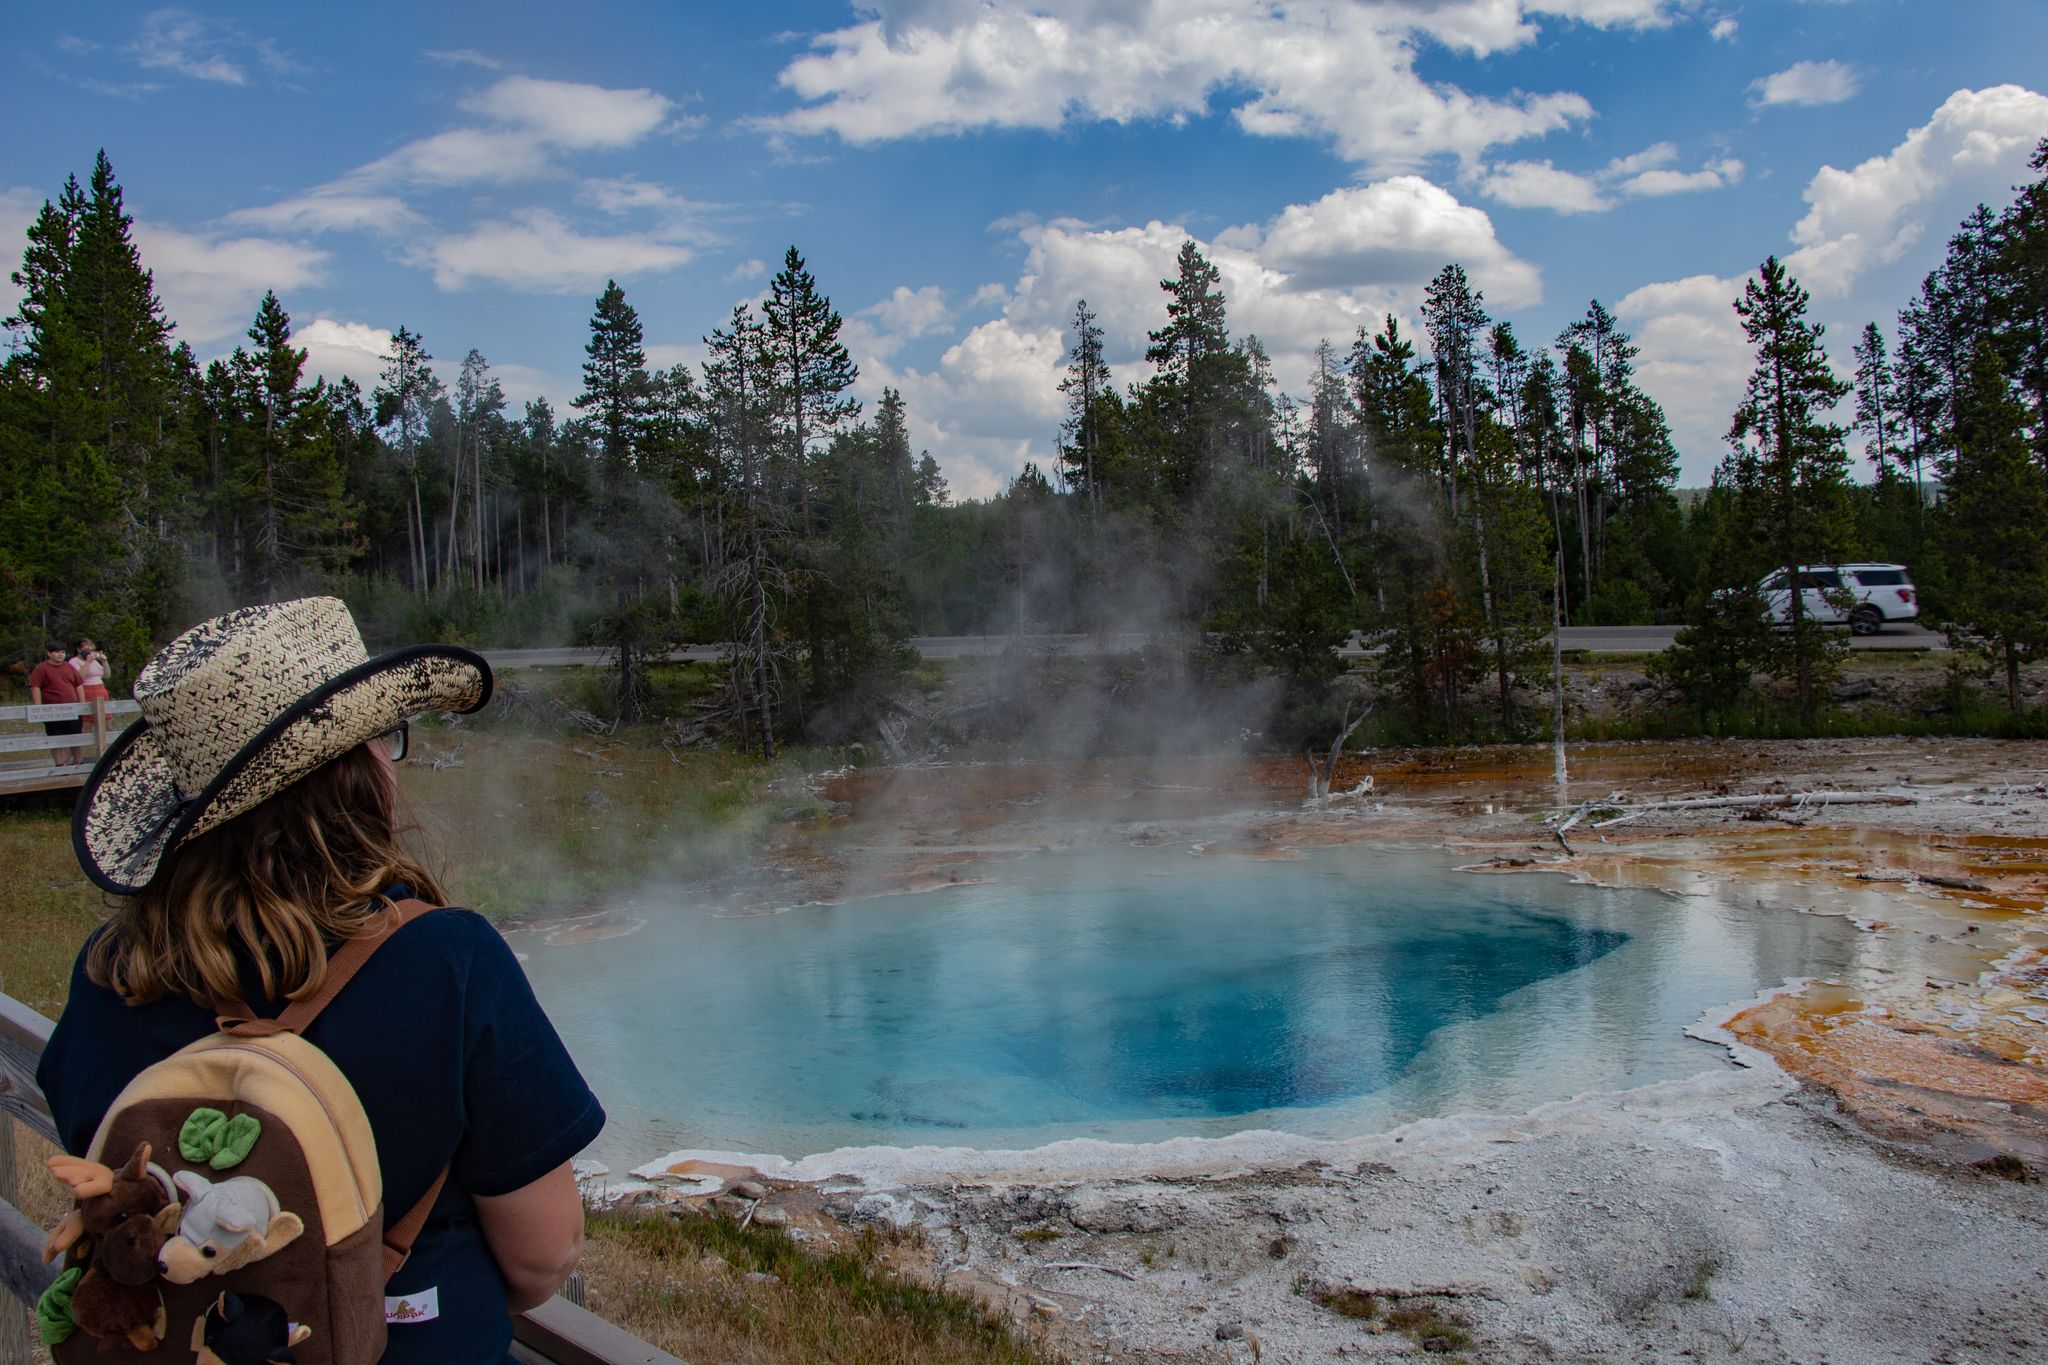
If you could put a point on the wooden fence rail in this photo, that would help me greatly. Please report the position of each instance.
(557, 1333)
(22, 768)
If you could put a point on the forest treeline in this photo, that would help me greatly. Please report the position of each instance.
(1449, 495)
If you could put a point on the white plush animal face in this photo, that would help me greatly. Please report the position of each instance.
(215, 1235)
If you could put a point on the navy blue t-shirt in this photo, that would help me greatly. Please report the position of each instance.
(452, 1058)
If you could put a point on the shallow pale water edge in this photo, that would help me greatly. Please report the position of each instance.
(1135, 995)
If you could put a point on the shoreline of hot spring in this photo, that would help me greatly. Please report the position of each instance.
(1950, 996)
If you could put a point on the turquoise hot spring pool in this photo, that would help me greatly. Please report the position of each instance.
(1136, 995)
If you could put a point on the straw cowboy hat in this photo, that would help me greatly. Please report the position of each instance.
(237, 709)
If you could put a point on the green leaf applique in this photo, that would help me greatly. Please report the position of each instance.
(54, 1322)
(211, 1137)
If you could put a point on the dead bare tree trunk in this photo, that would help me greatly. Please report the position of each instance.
(1319, 779)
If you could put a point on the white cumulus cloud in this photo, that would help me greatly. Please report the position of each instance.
(912, 312)
(536, 250)
(1338, 71)
(1976, 144)
(570, 113)
(336, 350)
(210, 286)
(18, 210)
(337, 211)
(1828, 82)
(1313, 271)
(1712, 176)
(1541, 185)
(1694, 360)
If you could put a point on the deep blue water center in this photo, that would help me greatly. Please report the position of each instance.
(1139, 994)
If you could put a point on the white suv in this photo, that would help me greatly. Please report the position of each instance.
(1867, 596)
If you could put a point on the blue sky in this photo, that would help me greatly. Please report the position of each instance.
(958, 172)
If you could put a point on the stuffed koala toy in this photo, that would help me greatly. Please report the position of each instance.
(226, 1225)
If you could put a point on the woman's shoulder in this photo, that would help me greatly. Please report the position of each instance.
(460, 938)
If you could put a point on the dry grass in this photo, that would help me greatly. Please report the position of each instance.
(50, 907)
(705, 1288)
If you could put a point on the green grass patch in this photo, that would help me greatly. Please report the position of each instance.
(51, 907)
(846, 1304)
(1429, 1327)
(1348, 1302)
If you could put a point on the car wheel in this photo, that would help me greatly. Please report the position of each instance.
(1865, 621)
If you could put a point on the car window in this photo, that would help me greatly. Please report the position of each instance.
(1881, 578)
(1820, 578)
(1775, 583)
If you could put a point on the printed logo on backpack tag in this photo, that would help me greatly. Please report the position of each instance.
(422, 1306)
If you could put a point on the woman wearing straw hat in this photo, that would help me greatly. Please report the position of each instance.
(249, 819)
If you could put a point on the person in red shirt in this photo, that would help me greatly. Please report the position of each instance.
(52, 681)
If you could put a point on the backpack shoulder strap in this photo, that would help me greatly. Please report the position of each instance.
(342, 965)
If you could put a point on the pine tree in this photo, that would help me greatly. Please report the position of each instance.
(1086, 385)
(2022, 304)
(287, 475)
(1192, 371)
(1787, 458)
(404, 400)
(1993, 527)
(809, 369)
(740, 406)
(615, 380)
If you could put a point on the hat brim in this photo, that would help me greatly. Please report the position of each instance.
(130, 815)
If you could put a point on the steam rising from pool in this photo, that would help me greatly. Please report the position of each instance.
(1136, 995)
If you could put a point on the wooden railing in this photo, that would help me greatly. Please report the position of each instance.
(557, 1333)
(22, 766)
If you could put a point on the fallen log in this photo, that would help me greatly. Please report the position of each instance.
(1769, 800)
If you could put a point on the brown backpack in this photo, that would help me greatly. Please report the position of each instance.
(250, 1170)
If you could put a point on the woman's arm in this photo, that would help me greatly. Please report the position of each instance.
(535, 1234)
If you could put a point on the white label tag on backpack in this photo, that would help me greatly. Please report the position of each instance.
(422, 1306)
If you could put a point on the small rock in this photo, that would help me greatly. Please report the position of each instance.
(1045, 1308)
(1229, 1331)
(761, 1277)
(750, 1189)
(771, 1217)
(728, 1206)
(596, 800)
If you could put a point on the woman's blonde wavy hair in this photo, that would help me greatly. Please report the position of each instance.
(280, 883)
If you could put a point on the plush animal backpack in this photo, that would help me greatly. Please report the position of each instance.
(245, 1223)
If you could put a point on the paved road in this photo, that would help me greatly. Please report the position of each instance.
(1589, 639)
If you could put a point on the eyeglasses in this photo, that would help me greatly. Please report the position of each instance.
(392, 743)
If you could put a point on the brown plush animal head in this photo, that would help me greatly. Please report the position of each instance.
(107, 1199)
(128, 1253)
